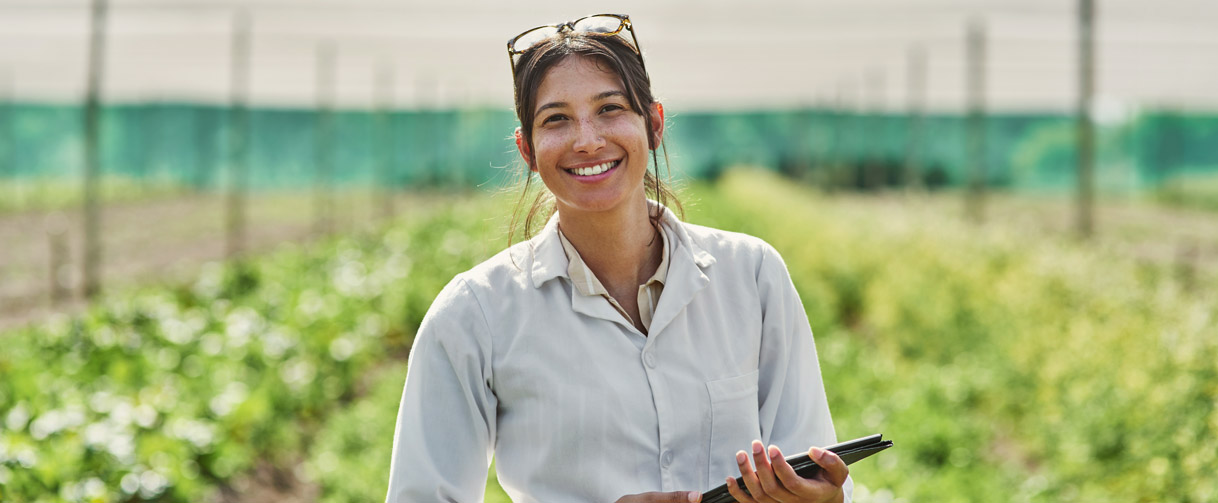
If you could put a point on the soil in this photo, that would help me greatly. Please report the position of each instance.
(160, 240)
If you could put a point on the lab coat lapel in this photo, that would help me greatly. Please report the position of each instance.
(597, 307)
(685, 277)
(550, 262)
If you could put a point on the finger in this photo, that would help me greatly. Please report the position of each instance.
(786, 473)
(833, 469)
(765, 475)
(670, 497)
(749, 476)
(734, 489)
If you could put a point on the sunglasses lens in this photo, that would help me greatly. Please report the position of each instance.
(532, 37)
(599, 24)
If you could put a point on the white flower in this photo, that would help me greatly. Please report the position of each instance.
(17, 417)
(177, 331)
(130, 483)
(275, 344)
(55, 420)
(297, 373)
(342, 348)
(240, 324)
(101, 401)
(27, 457)
(212, 343)
(122, 413)
(196, 432)
(232, 396)
(145, 416)
(152, 483)
(121, 445)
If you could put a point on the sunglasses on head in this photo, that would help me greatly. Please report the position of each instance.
(598, 24)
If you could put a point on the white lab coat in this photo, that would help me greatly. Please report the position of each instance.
(577, 405)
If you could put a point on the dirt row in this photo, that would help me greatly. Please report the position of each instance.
(164, 239)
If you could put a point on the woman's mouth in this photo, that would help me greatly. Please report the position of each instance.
(595, 170)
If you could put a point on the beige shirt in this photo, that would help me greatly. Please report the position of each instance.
(587, 284)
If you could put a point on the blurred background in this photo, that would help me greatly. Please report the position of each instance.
(221, 222)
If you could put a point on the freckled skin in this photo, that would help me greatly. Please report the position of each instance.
(591, 122)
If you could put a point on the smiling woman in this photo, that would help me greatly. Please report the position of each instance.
(589, 146)
(619, 353)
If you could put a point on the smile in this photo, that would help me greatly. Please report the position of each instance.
(595, 169)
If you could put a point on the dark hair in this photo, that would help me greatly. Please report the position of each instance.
(614, 54)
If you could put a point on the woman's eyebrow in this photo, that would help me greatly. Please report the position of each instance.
(608, 94)
(552, 104)
(561, 104)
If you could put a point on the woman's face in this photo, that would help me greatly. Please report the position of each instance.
(589, 146)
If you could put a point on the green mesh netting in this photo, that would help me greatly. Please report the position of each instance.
(189, 144)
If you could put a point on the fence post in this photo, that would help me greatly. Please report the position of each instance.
(238, 139)
(8, 167)
(323, 200)
(1086, 126)
(385, 103)
(975, 134)
(91, 276)
(916, 82)
(873, 159)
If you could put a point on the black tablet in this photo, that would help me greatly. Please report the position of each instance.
(849, 451)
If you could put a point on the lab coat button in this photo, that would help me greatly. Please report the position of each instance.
(649, 359)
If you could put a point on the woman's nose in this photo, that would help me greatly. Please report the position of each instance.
(588, 137)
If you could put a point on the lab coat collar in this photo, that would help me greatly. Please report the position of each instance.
(550, 261)
(685, 273)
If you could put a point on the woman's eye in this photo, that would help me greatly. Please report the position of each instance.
(612, 107)
(553, 118)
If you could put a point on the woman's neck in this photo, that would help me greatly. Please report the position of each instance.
(621, 246)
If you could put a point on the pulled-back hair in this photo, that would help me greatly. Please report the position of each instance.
(613, 54)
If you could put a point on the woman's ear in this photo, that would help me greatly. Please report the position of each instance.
(526, 152)
(657, 124)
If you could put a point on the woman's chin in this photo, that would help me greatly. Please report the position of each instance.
(598, 203)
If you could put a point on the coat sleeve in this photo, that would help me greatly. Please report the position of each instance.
(793, 408)
(445, 433)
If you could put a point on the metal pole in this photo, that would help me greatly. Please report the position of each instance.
(843, 169)
(1086, 126)
(323, 195)
(975, 195)
(916, 82)
(91, 284)
(204, 146)
(803, 143)
(8, 161)
(143, 122)
(873, 162)
(385, 115)
(238, 138)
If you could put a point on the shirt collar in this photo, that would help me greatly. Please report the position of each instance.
(586, 282)
(550, 260)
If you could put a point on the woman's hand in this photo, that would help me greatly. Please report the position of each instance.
(659, 497)
(775, 481)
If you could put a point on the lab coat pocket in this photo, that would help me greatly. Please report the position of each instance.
(734, 423)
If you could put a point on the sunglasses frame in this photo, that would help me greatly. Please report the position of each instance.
(624, 22)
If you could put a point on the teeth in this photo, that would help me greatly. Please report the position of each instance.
(594, 170)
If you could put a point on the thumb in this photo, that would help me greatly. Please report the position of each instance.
(833, 469)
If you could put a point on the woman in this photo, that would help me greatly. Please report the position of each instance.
(620, 354)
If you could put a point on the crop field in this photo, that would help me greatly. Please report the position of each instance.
(1008, 361)
(159, 234)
